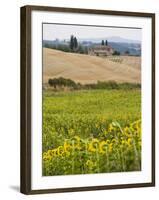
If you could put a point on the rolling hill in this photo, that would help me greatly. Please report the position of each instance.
(89, 69)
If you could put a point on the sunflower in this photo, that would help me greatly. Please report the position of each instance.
(76, 142)
(93, 145)
(102, 147)
(60, 151)
(67, 146)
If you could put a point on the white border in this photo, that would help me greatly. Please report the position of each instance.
(39, 182)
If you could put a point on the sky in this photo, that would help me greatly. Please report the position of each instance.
(59, 31)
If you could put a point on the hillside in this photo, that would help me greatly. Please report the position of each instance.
(89, 69)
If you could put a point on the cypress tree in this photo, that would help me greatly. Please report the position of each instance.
(75, 43)
(102, 43)
(71, 42)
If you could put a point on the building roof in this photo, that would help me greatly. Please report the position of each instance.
(102, 47)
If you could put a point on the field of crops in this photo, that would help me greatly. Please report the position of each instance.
(91, 131)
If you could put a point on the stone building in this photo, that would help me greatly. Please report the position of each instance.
(101, 51)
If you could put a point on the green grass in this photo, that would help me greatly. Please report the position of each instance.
(66, 114)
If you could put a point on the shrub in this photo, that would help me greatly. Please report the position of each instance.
(116, 53)
(62, 82)
(109, 85)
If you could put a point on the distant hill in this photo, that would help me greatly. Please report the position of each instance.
(89, 69)
(111, 39)
(134, 49)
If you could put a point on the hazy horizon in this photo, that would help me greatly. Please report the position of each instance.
(63, 32)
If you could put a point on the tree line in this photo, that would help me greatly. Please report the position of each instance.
(59, 83)
(75, 47)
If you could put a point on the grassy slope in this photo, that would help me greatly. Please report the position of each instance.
(89, 69)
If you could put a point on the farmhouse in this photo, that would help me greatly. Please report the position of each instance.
(101, 51)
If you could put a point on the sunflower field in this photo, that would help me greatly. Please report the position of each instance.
(95, 131)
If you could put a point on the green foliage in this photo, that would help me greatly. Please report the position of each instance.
(102, 43)
(108, 85)
(103, 85)
(73, 43)
(127, 52)
(61, 47)
(73, 46)
(62, 82)
(82, 49)
(116, 149)
(116, 53)
(75, 122)
(129, 86)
